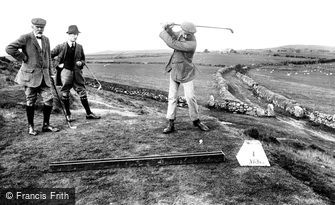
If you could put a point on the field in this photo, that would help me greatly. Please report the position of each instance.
(301, 172)
(203, 58)
(301, 155)
(310, 85)
(150, 76)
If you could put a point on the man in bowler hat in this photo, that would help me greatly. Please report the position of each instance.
(33, 50)
(182, 72)
(70, 59)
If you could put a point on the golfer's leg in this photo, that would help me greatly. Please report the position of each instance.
(191, 100)
(31, 97)
(81, 90)
(47, 97)
(172, 100)
(79, 84)
(67, 81)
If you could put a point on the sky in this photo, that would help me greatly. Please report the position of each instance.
(121, 25)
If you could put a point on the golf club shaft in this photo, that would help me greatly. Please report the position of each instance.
(94, 77)
(60, 102)
(213, 27)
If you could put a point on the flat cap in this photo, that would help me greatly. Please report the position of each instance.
(188, 27)
(38, 22)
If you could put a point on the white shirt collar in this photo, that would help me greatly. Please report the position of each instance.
(70, 43)
(39, 41)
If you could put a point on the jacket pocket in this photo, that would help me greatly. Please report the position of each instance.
(27, 74)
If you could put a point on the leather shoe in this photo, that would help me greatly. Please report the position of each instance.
(92, 116)
(48, 128)
(69, 118)
(169, 128)
(31, 131)
(200, 125)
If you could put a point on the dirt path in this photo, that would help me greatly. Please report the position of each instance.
(242, 91)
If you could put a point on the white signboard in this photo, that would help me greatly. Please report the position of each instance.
(252, 154)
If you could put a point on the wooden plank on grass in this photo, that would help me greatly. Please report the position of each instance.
(153, 160)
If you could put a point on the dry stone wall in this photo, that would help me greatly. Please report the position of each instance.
(158, 95)
(288, 105)
(229, 102)
(222, 85)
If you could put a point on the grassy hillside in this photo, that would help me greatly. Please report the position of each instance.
(299, 174)
(302, 158)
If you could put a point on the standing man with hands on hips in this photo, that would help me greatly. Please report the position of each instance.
(70, 59)
(35, 72)
(182, 71)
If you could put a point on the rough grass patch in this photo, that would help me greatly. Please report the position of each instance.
(304, 168)
(317, 157)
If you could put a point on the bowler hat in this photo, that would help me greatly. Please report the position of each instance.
(38, 22)
(73, 29)
(188, 27)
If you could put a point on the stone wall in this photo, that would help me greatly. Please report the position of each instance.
(288, 105)
(278, 100)
(229, 102)
(222, 84)
(158, 95)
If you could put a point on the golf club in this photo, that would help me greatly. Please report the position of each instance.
(63, 109)
(213, 27)
(94, 78)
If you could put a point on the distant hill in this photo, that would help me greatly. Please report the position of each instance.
(296, 47)
(158, 51)
(308, 47)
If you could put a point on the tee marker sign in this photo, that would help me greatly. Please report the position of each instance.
(252, 154)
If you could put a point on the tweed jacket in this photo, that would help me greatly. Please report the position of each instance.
(180, 64)
(59, 53)
(36, 61)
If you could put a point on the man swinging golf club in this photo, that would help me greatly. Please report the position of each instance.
(33, 50)
(182, 71)
(70, 59)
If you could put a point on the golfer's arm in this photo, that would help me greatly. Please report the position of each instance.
(13, 49)
(175, 44)
(56, 51)
(173, 35)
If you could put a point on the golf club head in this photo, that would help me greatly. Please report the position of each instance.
(71, 127)
(99, 88)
